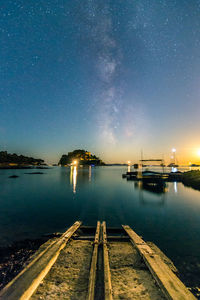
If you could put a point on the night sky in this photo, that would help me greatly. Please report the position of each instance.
(112, 77)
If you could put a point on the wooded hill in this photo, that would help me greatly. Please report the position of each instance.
(83, 157)
(7, 158)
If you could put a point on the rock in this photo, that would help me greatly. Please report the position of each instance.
(34, 173)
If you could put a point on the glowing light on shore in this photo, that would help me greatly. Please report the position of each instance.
(173, 150)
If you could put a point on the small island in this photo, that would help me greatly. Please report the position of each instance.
(14, 161)
(82, 157)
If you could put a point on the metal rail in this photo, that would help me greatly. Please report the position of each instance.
(107, 275)
(93, 268)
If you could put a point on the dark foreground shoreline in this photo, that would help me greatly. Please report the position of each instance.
(15, 256)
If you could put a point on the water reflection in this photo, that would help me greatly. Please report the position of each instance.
(84, 174)
(175, 187)
(73, 177)
(152, 188)
(158, 201)
(155, 188)
(30, 203)
(159, 190)
(90, 173)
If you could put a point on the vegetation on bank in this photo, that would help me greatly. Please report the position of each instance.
(192, 179)
(7, 159)
(83, 157)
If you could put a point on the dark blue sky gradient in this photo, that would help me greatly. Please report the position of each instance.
(112, 77)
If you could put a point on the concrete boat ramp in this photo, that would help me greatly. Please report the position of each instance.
(97, 263)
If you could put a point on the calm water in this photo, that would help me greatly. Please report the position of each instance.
(32, 205)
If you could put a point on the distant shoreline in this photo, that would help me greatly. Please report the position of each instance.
(8, 166)
(14, 167)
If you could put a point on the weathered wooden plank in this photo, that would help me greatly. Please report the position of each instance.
(169, 283)
(107, 275)
(93, 268)
(27, 281)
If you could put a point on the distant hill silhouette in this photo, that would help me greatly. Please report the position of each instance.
(83, 157)
(7, 158)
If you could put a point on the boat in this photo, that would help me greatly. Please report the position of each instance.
(173, 165)
(154, 187)
(130, 175)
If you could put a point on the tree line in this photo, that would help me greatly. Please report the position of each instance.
(6, 157)
(82, 156)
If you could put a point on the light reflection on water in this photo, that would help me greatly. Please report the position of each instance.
(38, 204)
(90, 174)
(74, 171)
(175, 187)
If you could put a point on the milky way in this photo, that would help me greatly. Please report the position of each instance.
(113, 77)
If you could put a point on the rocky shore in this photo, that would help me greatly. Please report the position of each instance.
(192, 179)
(14, 257)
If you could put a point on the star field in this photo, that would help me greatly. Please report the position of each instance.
(112, 76)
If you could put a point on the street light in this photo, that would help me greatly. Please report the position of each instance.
(174, 155)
